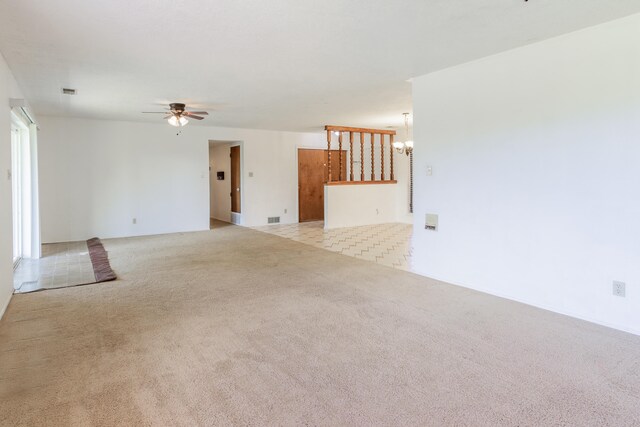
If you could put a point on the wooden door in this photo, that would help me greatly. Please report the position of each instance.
(312, 174)
(311, 178)
(235, 179)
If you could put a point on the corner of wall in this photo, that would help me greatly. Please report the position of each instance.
(4, 303)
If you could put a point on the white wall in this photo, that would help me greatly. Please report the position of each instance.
(8, 89)
(361, 204)
(535, 156)
(96, 175)
(401, 170)
(220, 190)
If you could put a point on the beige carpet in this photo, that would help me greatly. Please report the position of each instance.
(238, 327)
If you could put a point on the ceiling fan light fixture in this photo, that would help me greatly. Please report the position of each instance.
(177, 121)
(177, 114)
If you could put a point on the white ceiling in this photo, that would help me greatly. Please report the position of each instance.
(276, 64)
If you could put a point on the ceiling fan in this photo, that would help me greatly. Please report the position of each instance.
(177, 114)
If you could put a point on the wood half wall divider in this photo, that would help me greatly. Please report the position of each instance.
(350, 179)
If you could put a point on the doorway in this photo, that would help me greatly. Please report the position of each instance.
(236, 194)
(225, 186)
(16, 193)
(24, 189)
(313, 172)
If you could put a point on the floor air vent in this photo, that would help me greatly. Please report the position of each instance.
(273, 220)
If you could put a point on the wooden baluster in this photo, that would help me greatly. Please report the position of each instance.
(361, 156)
(373, 174)
(329, 154)
(340, 156)
(350, 156)
(381, 157)
(391, 156)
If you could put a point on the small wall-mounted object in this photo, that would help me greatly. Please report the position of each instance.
(431, 222)
(220, 175)
(619, 289)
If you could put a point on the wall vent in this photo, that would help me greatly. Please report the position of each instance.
(67, 91)
(273, 220)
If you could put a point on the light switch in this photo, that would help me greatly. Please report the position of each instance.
(429, 171)
(250, 174)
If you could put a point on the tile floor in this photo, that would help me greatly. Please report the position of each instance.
(62, 264)
(386, 244)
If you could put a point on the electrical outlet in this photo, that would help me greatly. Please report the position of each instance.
(285, 211)
(619, 289)
(135, 220)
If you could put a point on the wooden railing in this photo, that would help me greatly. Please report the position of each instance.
(362, 132)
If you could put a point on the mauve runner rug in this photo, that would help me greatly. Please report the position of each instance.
(100, 260)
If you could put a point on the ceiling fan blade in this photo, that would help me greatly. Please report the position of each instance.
(154, 112)
(200, 113)
(191, 116)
